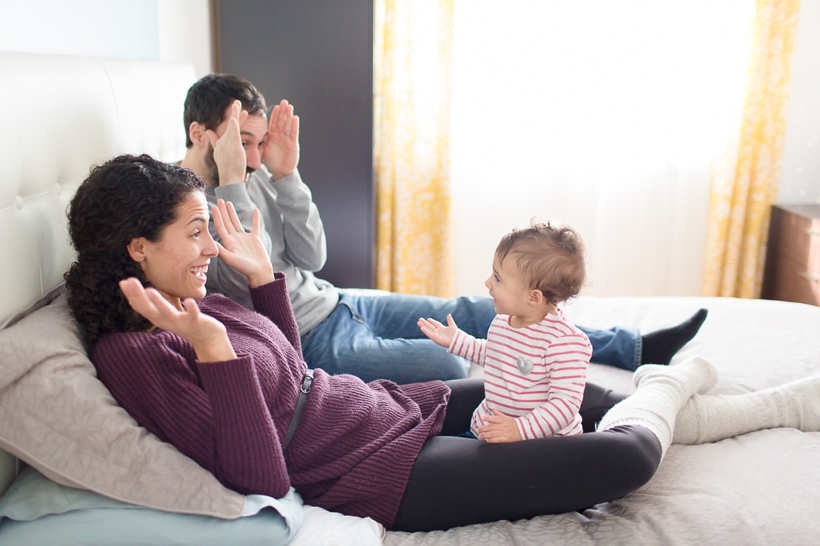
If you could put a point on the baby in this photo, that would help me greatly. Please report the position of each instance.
(535, 361)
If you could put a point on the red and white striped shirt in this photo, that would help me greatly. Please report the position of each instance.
(535, 374)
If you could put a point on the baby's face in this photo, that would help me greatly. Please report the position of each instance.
(506, 286)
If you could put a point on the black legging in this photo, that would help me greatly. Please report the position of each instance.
(460, 481)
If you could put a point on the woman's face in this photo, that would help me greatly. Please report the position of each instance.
(177, 264)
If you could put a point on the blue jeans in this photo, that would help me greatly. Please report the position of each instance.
(375, 336)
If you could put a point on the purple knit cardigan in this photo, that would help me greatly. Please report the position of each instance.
(355, 444)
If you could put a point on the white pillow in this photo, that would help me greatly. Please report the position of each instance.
(59, 418)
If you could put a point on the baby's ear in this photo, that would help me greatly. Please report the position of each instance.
(536, 298)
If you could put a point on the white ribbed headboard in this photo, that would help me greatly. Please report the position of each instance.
(60, 115)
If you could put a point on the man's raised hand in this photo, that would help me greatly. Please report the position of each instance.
(229, 154)
(281, 152)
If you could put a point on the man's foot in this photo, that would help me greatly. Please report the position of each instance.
(661, 345)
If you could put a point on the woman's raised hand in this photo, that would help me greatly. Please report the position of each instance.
(239, 249)
(207, 335)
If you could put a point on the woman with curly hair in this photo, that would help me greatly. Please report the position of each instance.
(229, 388)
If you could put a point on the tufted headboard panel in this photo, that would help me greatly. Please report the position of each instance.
(60, 115)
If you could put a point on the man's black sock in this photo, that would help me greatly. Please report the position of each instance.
(661, 345)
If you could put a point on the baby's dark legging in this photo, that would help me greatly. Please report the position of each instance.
(460, 481)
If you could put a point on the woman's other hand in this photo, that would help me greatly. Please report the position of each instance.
(207, 335)
(239, 249)
(443, 335)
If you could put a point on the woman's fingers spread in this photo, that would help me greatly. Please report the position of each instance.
(134, 292)
(255, 221)
(219, 223)
(228, 225)
(191, 308)
(234, 218)
(160, 305)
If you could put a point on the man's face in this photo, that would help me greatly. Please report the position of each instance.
(254, 133)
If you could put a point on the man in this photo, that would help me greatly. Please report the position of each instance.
(252, 162)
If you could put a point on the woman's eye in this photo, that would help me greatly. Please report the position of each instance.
(195, 234)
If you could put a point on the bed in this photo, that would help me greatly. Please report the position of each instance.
(64, 114)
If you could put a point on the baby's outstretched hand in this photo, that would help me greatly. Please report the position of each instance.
(443, 335)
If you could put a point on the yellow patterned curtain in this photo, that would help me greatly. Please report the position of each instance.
(746, 180)
(412, 57)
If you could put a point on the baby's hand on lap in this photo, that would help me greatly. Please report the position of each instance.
(500, 429)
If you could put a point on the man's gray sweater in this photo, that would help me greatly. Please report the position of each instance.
(294, 236)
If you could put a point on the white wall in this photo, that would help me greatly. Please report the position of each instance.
(124, 29)
(674, 268)
(169, 30)
(185, 33)
(571, 116)
(800, 182)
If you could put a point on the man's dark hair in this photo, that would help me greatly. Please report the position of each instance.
(208, 99)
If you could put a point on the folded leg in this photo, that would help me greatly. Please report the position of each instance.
(459, 481)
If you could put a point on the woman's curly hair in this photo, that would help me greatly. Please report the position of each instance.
(126, 198)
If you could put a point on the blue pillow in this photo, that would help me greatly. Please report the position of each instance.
(36, 510)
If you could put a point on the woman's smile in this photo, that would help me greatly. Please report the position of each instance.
(200, 272)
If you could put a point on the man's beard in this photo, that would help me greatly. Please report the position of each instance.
(213, 170)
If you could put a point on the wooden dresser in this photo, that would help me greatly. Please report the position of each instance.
(793, 256)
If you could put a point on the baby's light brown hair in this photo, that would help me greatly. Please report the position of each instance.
(550, 258)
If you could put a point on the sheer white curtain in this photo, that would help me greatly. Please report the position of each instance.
(607, 115)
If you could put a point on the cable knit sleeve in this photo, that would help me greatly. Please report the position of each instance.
(273, 301)
(218, 417)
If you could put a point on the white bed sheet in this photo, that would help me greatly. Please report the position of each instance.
(760, 488)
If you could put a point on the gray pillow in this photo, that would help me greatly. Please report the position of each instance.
(59, 418)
